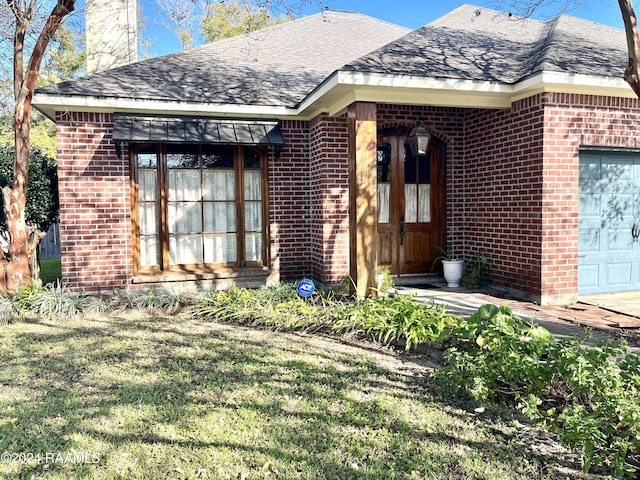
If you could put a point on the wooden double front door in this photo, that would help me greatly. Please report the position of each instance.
(411, 205)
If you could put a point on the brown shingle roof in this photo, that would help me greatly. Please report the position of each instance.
(275, 66)
(474, 43)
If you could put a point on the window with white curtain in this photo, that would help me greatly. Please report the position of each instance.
(198, 206)
(417, 187)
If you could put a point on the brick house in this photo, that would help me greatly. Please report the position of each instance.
(284, 153)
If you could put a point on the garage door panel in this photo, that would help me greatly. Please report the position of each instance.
(590, 205)
(618, 274)
(619, 240)
(618, 209)
(590, 171)
(617, 171)
(609, 197)
(590, 276)
(589, 240)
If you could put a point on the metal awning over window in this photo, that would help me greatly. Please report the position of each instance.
(178, 129)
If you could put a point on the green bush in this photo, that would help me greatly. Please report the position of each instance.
(592, 403)
(588, 396)
(495, 353)
(397, 318)
(279, 307)
(389, 319)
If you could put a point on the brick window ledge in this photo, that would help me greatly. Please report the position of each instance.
(238, 274)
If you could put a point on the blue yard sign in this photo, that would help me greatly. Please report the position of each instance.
(305, 288)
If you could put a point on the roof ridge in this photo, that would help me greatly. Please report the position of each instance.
(539, 49)
(285, 24)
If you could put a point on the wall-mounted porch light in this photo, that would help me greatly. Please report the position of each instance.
(419, 138)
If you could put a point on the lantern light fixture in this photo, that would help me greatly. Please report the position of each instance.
(419, 138)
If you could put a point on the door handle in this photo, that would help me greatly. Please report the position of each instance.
(401, 229)
(635, 232)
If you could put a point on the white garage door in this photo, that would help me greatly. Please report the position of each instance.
(609, 222)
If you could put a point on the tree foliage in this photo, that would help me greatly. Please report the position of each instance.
(66, 60)
(42, 193)
(229, 19)
(195, 22)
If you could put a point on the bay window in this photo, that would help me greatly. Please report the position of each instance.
(198, 207)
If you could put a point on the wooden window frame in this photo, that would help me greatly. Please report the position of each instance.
(220, 269)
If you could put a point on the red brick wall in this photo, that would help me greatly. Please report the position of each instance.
(95, 226)
(522, 175)
(508, 194)
(501, 204)
(329, 193)
(95, 204)
(290, 204)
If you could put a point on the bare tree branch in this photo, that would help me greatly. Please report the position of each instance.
(631, 74)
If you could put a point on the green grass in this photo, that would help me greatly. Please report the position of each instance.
(50, 270)
(142, 397)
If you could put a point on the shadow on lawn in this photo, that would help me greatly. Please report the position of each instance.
(205, 400)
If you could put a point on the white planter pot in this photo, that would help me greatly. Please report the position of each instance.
(453, 271)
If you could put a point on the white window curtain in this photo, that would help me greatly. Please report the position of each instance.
(384, 197)
(148, 217)
(417, 203)
(424, 205)
(220, 248)
(185, 249)
(253, 215)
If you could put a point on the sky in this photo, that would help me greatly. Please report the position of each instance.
(408, 13)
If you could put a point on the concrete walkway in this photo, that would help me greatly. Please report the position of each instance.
(615, 317)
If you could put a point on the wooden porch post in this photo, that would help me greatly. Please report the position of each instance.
(363, 220)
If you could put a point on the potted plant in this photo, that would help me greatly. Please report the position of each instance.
(453, 268)
(475, 275)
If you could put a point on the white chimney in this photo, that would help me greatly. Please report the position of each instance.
(111, 32)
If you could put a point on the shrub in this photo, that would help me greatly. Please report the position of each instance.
(55, 301)
(588, 396)
(7, 311)
(151, 299)
(397, 318)
(495, 353)
(279, 307)
(592, 403)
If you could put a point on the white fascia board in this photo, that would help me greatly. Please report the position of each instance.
(343, 88)
(49, 104)
(561, 82)
(408, 81)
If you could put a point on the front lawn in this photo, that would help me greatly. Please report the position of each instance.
(149, 397)
(50, 270)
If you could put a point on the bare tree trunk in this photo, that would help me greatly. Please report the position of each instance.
(632, 74)
(17, 271)
(24, 82)
(35, 236)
